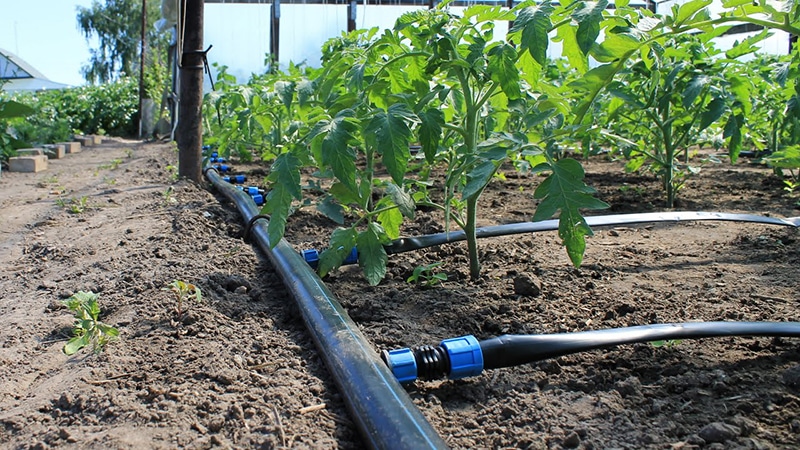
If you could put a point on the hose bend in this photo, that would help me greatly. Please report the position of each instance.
(382, 410)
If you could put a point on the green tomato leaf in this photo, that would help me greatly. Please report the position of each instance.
(694, 88)
(402, 199)
(371, 254)
(336, 151)
(689, 9)
(534, 23)
(75, 344)
(589, 15)
(331, 209)
(592, 83)
(478, 178)
(430, 132)
(342, 242)
(285, 179)
(390, 219)
(285, 90)
(389, 132)
(712, 112)
(565, 191)
(503, 70)
(733, 130)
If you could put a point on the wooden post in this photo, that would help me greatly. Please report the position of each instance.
(275, 33)
(143, 49)
(351, 15)
(190, 125)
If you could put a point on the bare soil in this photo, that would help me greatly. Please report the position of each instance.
(239, 369)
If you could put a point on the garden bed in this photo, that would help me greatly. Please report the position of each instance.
(241, 371)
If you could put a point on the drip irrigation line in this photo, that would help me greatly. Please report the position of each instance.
(381, 408)
(416, 243)
(465, 356)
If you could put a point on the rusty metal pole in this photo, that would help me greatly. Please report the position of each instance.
(190, 125)
(143, 49)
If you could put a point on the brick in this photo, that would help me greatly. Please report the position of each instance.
(30, 151)
(96, 139)
(55, 151)
(85, 141)
(71, 147)
(32, 163)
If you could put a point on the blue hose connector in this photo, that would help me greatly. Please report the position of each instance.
(311, 257)
(216, 159)
(466, 358)
(222, 168)
(352, 258)
(258, 199)
(237, 179)
(403, 364)
(454, 358)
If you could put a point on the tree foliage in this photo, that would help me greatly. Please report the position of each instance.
(117, 26)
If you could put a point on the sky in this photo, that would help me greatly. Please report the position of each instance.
(45, 34)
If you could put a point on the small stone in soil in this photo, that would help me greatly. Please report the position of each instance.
(527, 285)
(791, 376)
(718, 432)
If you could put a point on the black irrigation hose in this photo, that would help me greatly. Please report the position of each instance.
(431, 240)
(465, 356)
(381, 408)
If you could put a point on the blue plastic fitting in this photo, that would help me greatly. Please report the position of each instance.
(352, 258)
(253, 190)
(222, 167)
(258, 198)
(466, 358)
(215, 159)
(311, 256)
(235, 179)
(402, 363)
(454, 358)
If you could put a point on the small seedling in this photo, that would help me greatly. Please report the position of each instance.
(668, 343)
(425, 275)
(113, 165)
(129, 153)
(183, 293)
(167, 195)
(173, 171)
(88, 329)
(73, 205)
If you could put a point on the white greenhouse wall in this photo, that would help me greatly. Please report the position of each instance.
(240, 32)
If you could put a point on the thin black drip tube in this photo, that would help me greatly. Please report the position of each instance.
(416, 243)
(381, 408)
(514, 350)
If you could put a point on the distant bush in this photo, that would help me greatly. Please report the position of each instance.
(110, 109)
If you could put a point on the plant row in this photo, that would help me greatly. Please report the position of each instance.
(438, 93)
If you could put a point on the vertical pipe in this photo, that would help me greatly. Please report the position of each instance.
(190, 130)
(142, 49)
(275, 34)
(351, 15)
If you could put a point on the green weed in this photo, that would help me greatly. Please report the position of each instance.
(426, 276)
(88, 329)
(183, 292)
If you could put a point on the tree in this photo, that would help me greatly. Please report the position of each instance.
(117, 26)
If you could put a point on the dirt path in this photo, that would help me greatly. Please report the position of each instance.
(240, 371)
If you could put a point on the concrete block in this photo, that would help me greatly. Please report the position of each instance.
(29, 163)
(30, 151)
(96, 139)
(85, 141)
(55, 151)
(71, 147)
